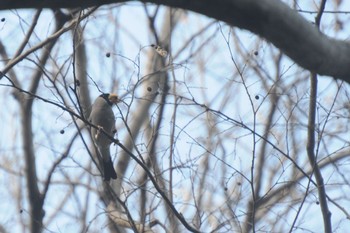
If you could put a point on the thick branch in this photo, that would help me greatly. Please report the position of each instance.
(271, 19)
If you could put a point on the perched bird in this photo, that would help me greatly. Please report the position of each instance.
(103, 117)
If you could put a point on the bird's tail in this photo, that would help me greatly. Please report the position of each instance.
(109, 171)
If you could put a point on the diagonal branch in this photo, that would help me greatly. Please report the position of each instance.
(50, 39)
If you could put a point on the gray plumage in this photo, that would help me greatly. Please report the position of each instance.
(103, 117)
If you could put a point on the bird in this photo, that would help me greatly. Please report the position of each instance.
(102, 117)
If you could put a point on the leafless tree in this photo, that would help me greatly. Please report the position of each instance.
(217, 131)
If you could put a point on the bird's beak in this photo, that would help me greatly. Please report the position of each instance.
(113, 98)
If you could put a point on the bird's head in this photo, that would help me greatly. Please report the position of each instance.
(113, 98)
(110, 98)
